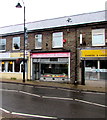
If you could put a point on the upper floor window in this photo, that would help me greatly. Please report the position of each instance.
(2, 44)
(98, 37)
(57, 40)
(38, 41)
(16, 43)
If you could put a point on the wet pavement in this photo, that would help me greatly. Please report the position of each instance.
(91, 85)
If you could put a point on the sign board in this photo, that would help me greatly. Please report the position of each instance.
(16, 55)
(94, 53)
(50, 55)
(4, 55)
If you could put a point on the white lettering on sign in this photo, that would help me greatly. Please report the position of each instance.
(42, 55)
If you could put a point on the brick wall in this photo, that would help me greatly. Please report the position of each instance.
(72, 35)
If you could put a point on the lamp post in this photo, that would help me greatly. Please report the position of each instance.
(19, 6)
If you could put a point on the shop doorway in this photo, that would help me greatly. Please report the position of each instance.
(36, 74)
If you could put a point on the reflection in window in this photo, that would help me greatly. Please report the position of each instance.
(16, 43)
(98, 37)
(2, 44)
(38, 41)
(57, 40)
(92, 63)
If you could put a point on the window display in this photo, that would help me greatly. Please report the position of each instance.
(54, 70)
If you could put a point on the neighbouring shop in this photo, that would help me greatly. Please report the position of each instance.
(95, 63)
(11, 65)
(51, 66)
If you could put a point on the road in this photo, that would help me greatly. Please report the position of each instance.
(52, 103)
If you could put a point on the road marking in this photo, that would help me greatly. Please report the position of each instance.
(45, 87)
(47, 97)
(4, 110)
(29, 86)
(93, 92)
(57, 98)
(30, 115)
(30, 94)
(100, 105)
(8, 90)
(21, 92)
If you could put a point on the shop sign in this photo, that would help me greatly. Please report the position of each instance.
(16, 55)
(94, 53)
(49, 55)
(4, 55)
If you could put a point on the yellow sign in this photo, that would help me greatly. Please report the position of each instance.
(94, 53)
(16, 54)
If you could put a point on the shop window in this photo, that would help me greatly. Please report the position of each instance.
(3, 66)
(103, 64)
(53, 59)
(2, 44)
(10, 66)
(16, 43)
(92, 63)
(38, 41)
(98, 37)
(16, 67)
(57, 40)
(54, 70)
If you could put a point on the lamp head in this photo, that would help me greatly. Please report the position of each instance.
(18, 5)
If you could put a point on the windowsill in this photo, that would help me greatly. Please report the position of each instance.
(57, 47)
(12, 72)
(98, 45)
(2, 50)
(38, 48)
(16, 50)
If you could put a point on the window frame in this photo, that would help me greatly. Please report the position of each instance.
(2, 44)
(55, 35)
(96, 33)
(37, 38)
(14, 42)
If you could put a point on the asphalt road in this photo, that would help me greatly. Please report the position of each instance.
(51, 103)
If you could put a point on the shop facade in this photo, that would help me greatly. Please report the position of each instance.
(11, 65)
(50, 66)
(95, 63)
(54, 49)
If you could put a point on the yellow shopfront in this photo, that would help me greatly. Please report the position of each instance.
(11, 65)
(95, 63)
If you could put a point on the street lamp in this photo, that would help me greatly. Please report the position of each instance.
(19, 6)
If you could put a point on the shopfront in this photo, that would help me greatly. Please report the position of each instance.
(95, 63)
(52, 66)
(11, 65)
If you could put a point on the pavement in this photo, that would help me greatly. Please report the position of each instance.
(90, 85)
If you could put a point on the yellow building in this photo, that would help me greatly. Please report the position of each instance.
(11, 65)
